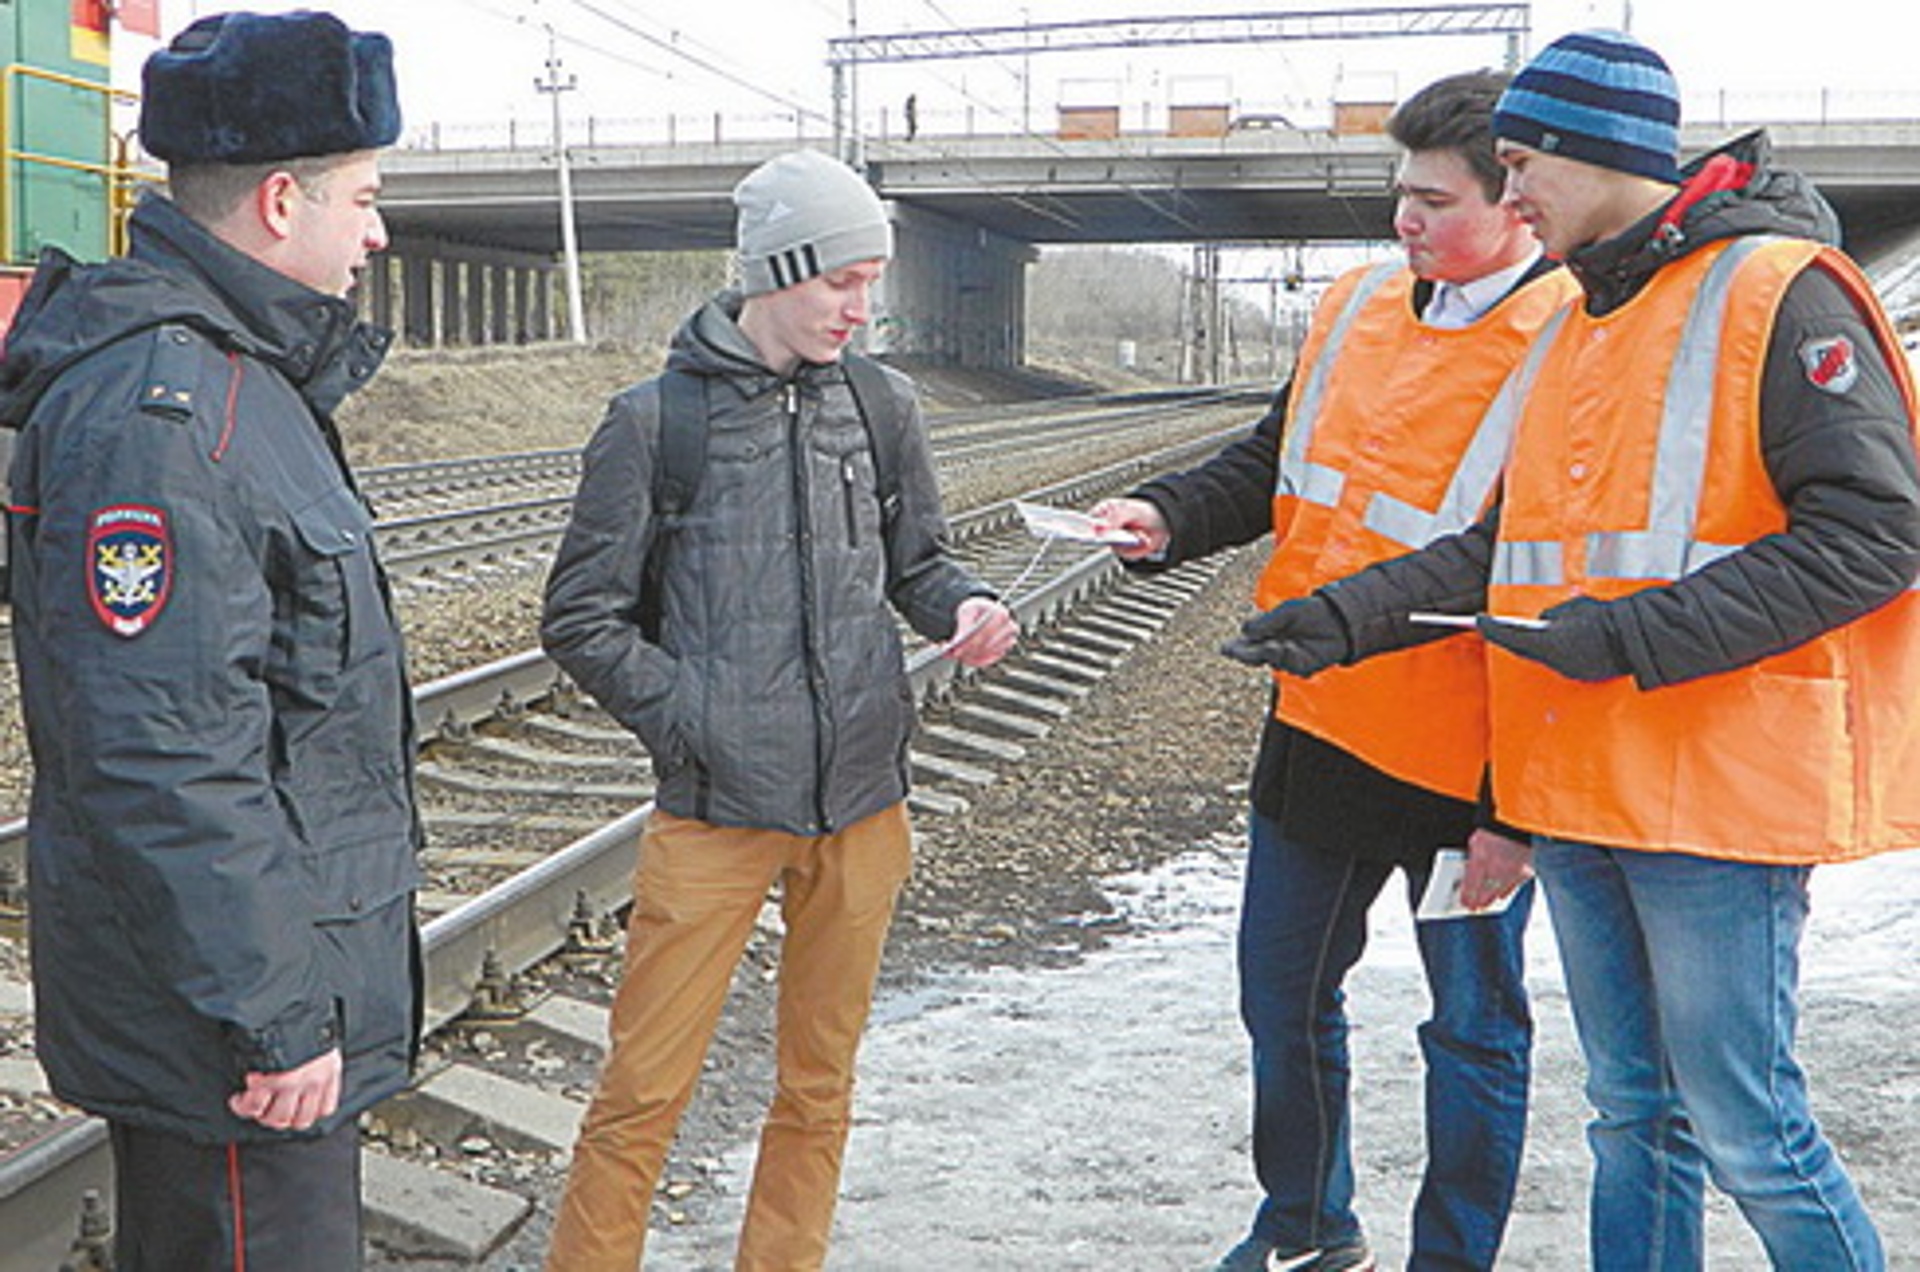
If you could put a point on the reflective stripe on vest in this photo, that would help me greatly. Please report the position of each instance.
(1667, 548)
(1474, 477)
(1317, 483)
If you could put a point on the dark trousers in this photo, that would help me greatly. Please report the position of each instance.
(1302, 928)
(288, 1205)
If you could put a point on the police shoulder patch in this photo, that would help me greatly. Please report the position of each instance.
(130, 566)
(1831, 363)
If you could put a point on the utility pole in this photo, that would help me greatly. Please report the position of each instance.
(554, 85)
(855, 153)
(1026, 75)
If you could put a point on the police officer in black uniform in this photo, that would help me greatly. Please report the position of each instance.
(223, 837)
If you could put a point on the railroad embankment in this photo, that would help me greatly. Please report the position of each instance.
(449, 404)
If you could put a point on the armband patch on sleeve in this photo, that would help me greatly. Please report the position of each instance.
(1832, 364)
(130, 566)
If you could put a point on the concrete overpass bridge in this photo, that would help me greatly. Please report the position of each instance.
(477, 232)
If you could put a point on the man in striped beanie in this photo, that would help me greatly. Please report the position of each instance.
(1601, 98)
(1704, 679)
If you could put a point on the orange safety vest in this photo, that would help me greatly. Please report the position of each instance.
(1636, 462)
(1387, 448)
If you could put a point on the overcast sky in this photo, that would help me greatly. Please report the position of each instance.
(475, 61)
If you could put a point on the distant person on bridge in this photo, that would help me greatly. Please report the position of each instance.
(1706, 673)
(1379, 443)
(222, 840)
(749, 639)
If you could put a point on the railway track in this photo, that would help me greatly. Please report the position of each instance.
(533, 801)
(433, 536)
(429, 486)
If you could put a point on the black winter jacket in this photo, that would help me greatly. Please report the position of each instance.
(1843, 465)
(222, 839)
(775, 695)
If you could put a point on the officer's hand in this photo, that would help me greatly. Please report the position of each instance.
(1578, 641)
(1301, 637)
(294, 1099)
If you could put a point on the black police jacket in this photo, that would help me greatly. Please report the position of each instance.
(223, 838)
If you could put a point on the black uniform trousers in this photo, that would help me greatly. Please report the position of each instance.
(289, 1205)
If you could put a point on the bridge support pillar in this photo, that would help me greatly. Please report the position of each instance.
(499, 299)
(520, 308)
(376, 288)
(955, 293)
(543, 310)
(416, 300)
(453, 303)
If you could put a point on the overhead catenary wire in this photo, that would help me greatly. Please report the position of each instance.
(527, 16)
(707, 64)
(679, 37)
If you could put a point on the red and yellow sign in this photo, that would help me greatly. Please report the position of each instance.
(89, 31)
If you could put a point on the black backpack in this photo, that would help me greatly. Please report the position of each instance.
(683, 460)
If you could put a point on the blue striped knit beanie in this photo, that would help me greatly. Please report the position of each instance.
(804, 214)
(1601, 97)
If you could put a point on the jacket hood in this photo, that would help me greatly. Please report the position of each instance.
(178, 272)
(710, 343)
(1729, 192)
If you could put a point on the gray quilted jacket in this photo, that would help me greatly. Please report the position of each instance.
(775, 695)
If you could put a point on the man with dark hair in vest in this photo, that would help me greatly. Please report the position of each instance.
(750, 641)
(1378, 444)
(1700, 586)
(222, 837)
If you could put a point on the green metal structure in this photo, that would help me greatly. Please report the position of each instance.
(58, 184)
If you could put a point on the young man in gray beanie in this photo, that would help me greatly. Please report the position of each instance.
(746, 633)
(222, 838)
(1710, 534)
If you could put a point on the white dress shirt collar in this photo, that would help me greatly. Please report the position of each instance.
(1458, 304)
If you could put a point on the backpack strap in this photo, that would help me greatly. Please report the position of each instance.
(871, 392)
(682, 459)
(678, 467)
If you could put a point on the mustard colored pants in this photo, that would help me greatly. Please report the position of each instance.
(697, 893)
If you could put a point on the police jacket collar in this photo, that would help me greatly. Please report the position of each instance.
(308, 336)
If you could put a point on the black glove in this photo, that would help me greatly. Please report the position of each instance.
(1300, 637)
(1579, 640)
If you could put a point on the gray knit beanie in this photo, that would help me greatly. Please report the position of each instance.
(803, 214)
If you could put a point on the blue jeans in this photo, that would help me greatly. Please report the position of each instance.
(1303, 924)
(1683, 974)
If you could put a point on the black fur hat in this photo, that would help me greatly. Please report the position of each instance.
(242, 88)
